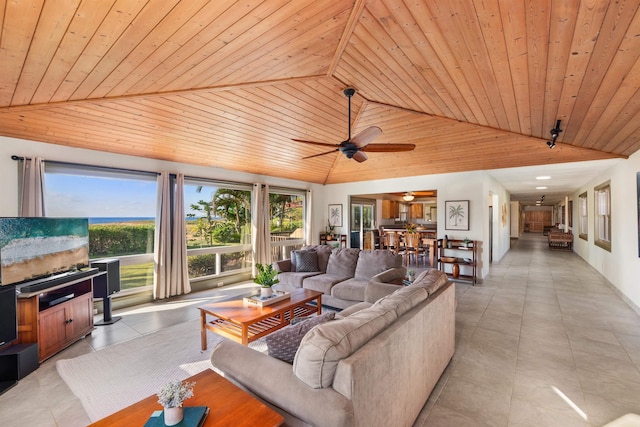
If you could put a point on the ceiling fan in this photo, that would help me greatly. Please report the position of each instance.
(355, 147)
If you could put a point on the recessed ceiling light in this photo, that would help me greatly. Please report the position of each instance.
(541, 188)
(543, 177)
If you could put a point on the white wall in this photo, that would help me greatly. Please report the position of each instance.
(621, 266)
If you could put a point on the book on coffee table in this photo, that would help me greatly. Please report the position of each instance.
(194, 416)
(264, 301)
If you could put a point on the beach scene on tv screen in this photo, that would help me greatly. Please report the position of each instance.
(31, 248)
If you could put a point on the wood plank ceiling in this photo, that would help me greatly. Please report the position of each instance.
(475, 84)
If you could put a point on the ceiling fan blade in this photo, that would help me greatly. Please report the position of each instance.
(323, 144)
(359, 157)
(388, 148)
(366, 136)
(321, 154)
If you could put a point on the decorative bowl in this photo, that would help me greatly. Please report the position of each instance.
(448, 259)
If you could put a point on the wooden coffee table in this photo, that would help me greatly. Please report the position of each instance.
(246, 323)
(228, 405)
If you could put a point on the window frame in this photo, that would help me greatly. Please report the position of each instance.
(583, 211)
(220, 251)
(602, 222)
(106, 172)
(282, 248)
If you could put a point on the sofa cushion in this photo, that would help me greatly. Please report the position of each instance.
(294, 280)
(372, 262)
(323, 347)
(342, 262)
(404, 299)
(306, 261)
(350, 290)
(283, 343)
(353, 309)
(431, 280)
(323, 282)
(323, 252)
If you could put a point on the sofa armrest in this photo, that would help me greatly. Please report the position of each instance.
(282, 266)
(393, 275)
(273, 381)
(376, 290)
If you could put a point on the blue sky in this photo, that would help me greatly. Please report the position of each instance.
(82, 196)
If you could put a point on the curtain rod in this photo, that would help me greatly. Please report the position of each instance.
(56, 162)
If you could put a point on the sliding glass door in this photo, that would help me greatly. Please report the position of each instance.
(362, 220)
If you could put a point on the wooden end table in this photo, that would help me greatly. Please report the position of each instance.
(246, 323)
(228, 405)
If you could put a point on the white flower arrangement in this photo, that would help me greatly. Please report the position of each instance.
(174, 393)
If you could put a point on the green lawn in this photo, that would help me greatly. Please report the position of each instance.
(134, 276)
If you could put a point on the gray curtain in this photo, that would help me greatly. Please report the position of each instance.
(170, 275)
(260, 232)
(32, 196)
(308, 229)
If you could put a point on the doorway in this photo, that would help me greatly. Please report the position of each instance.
(362, 220)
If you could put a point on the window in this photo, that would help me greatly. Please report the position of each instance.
(121, 209)
(583, 232)
(602, 196)
(287, 212)
(218, 223)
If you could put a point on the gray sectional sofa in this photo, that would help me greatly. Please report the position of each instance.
(341, 275)
(374, 365)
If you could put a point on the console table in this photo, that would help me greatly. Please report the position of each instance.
(57, 316)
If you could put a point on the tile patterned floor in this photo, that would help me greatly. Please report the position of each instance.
(544, 341)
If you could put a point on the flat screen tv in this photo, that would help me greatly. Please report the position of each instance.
(33, 248)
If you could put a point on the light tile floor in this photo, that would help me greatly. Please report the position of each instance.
(544, 341)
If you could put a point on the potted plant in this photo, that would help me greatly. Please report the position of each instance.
(267, 277)
(467, 242)
(171, 397)
(412, 275)
(330, 231)
(411, 228)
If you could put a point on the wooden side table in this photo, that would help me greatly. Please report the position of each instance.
(228, 405)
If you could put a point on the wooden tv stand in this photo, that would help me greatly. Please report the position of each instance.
(57, 316)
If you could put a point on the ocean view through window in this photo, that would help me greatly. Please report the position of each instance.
(121, 212)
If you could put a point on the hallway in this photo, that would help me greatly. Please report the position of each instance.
(544, 341)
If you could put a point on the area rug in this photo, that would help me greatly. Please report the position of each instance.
(115, 377)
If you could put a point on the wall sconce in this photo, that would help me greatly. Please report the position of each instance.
(408, 197)
(555, 132)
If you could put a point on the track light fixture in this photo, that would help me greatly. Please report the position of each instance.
(555, 132)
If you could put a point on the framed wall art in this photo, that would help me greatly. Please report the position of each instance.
(457, 214)
(335, 215)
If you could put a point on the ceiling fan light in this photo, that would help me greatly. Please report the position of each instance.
(408, 197)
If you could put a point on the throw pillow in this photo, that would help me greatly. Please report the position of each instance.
(283, 343)
(306, 261)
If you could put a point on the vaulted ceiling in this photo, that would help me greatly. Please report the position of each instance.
(474, 84)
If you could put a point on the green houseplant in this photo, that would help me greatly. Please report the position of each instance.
(267, 277)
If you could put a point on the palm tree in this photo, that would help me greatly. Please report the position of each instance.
(206, 223)
(456, 213)
(234, 206)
